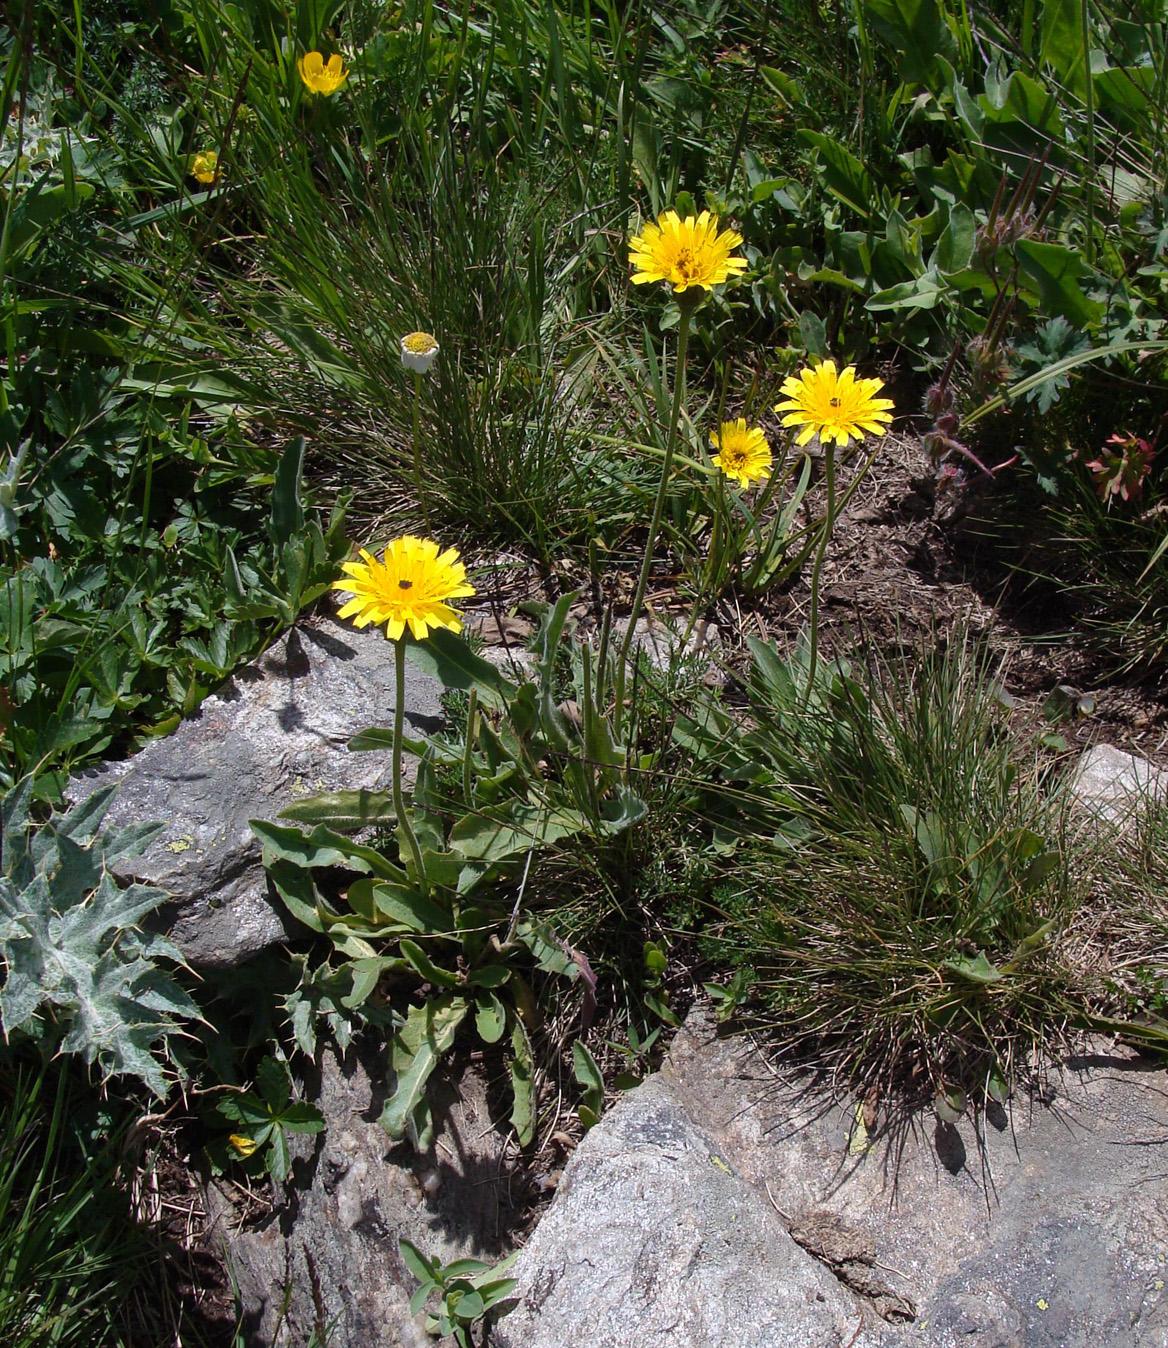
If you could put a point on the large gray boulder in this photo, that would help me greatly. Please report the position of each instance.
(274, 732)
(1041, 1226)
(1113, 784)
(655, 1239)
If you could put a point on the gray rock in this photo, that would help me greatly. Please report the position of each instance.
(275, 731)
(1110, 782)
(664, 640)
(1043, 1228)
(327, 1255)
(654, 1239)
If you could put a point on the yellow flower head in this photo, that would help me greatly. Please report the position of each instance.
(408, 588)
(834, 407)
(319, 77)
(418, 350)
(245, 1146)
(685, 253)
(205, 166)
(743, 452)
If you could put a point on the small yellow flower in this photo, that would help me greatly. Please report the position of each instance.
(245, 1146)
(408, 588)
(743, 452)
(1042, 1304)
(418, 350)
(321, 77)
(834, 407)
(205, 166)
(685, 253)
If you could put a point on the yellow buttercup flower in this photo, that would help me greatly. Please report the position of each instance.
(321, 77)
(205, 166)
(743, 452)
(834, 407)
(686, 254)
(409, 588)
(245, 1146)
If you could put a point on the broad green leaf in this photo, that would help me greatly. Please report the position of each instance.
(416, 1050)
(1061, 43)
(513, 828)
(1055, 272)
(522, 1069)
(916, 30)
(413, 910)
(348, 809)
(490, 1018)
(287, 512)
(843, 174)
(954, 251)
(976, 970)
(448, 658)
(425, 966)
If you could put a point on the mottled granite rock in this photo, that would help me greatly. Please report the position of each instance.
(275, 731)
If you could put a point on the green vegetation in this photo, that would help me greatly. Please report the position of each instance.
(207, 268)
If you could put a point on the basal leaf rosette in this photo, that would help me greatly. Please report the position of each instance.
(409, 588)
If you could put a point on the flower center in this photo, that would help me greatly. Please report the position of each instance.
(685, 262)
(834, 402)
(405, 585)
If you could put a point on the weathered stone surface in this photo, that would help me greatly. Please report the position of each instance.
(351, 1196)
(275, 731)
(1046, 1227)
(667, 640)
(1111, 783)
(654, 1239)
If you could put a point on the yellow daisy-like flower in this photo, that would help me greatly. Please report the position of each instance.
(409, 588)
(319, 76)
(245, 1146)
(205, 166)
(686, 254)
(834, 407)
(743, 452)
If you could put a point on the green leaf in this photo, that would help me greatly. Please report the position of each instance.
(347, 809)
(844, 175)
(490, 1018)
(916, 30)
(423, 1268)
(1055, 272)
(287, 512)
(1061, 43)
(511, 829)
(522, 1069)
(404, 904)
(425, 966)
(954, 251)
(588, 1075)
(977, 970)
(448, 658)
(416, 1050)
(949, 1104)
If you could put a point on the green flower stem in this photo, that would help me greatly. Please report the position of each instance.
(405, 829)
(418, 451)
(816, 572)
(658, 507)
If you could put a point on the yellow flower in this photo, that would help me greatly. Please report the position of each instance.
(418, 350)
(743, 452)
(205, 166)
(409, 588)
(243, 1145)
(684, 253)
(319, 77)
(834, 407)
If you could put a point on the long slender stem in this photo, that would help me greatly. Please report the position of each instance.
(658, 505)
(418, 451)
(816, 572)
(404, 827)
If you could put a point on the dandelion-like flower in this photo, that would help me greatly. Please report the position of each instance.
(205, 166)
(418, 350)
(834, 406)
(320, 76)
(686, 254)
(408, 588)
(743, 452)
